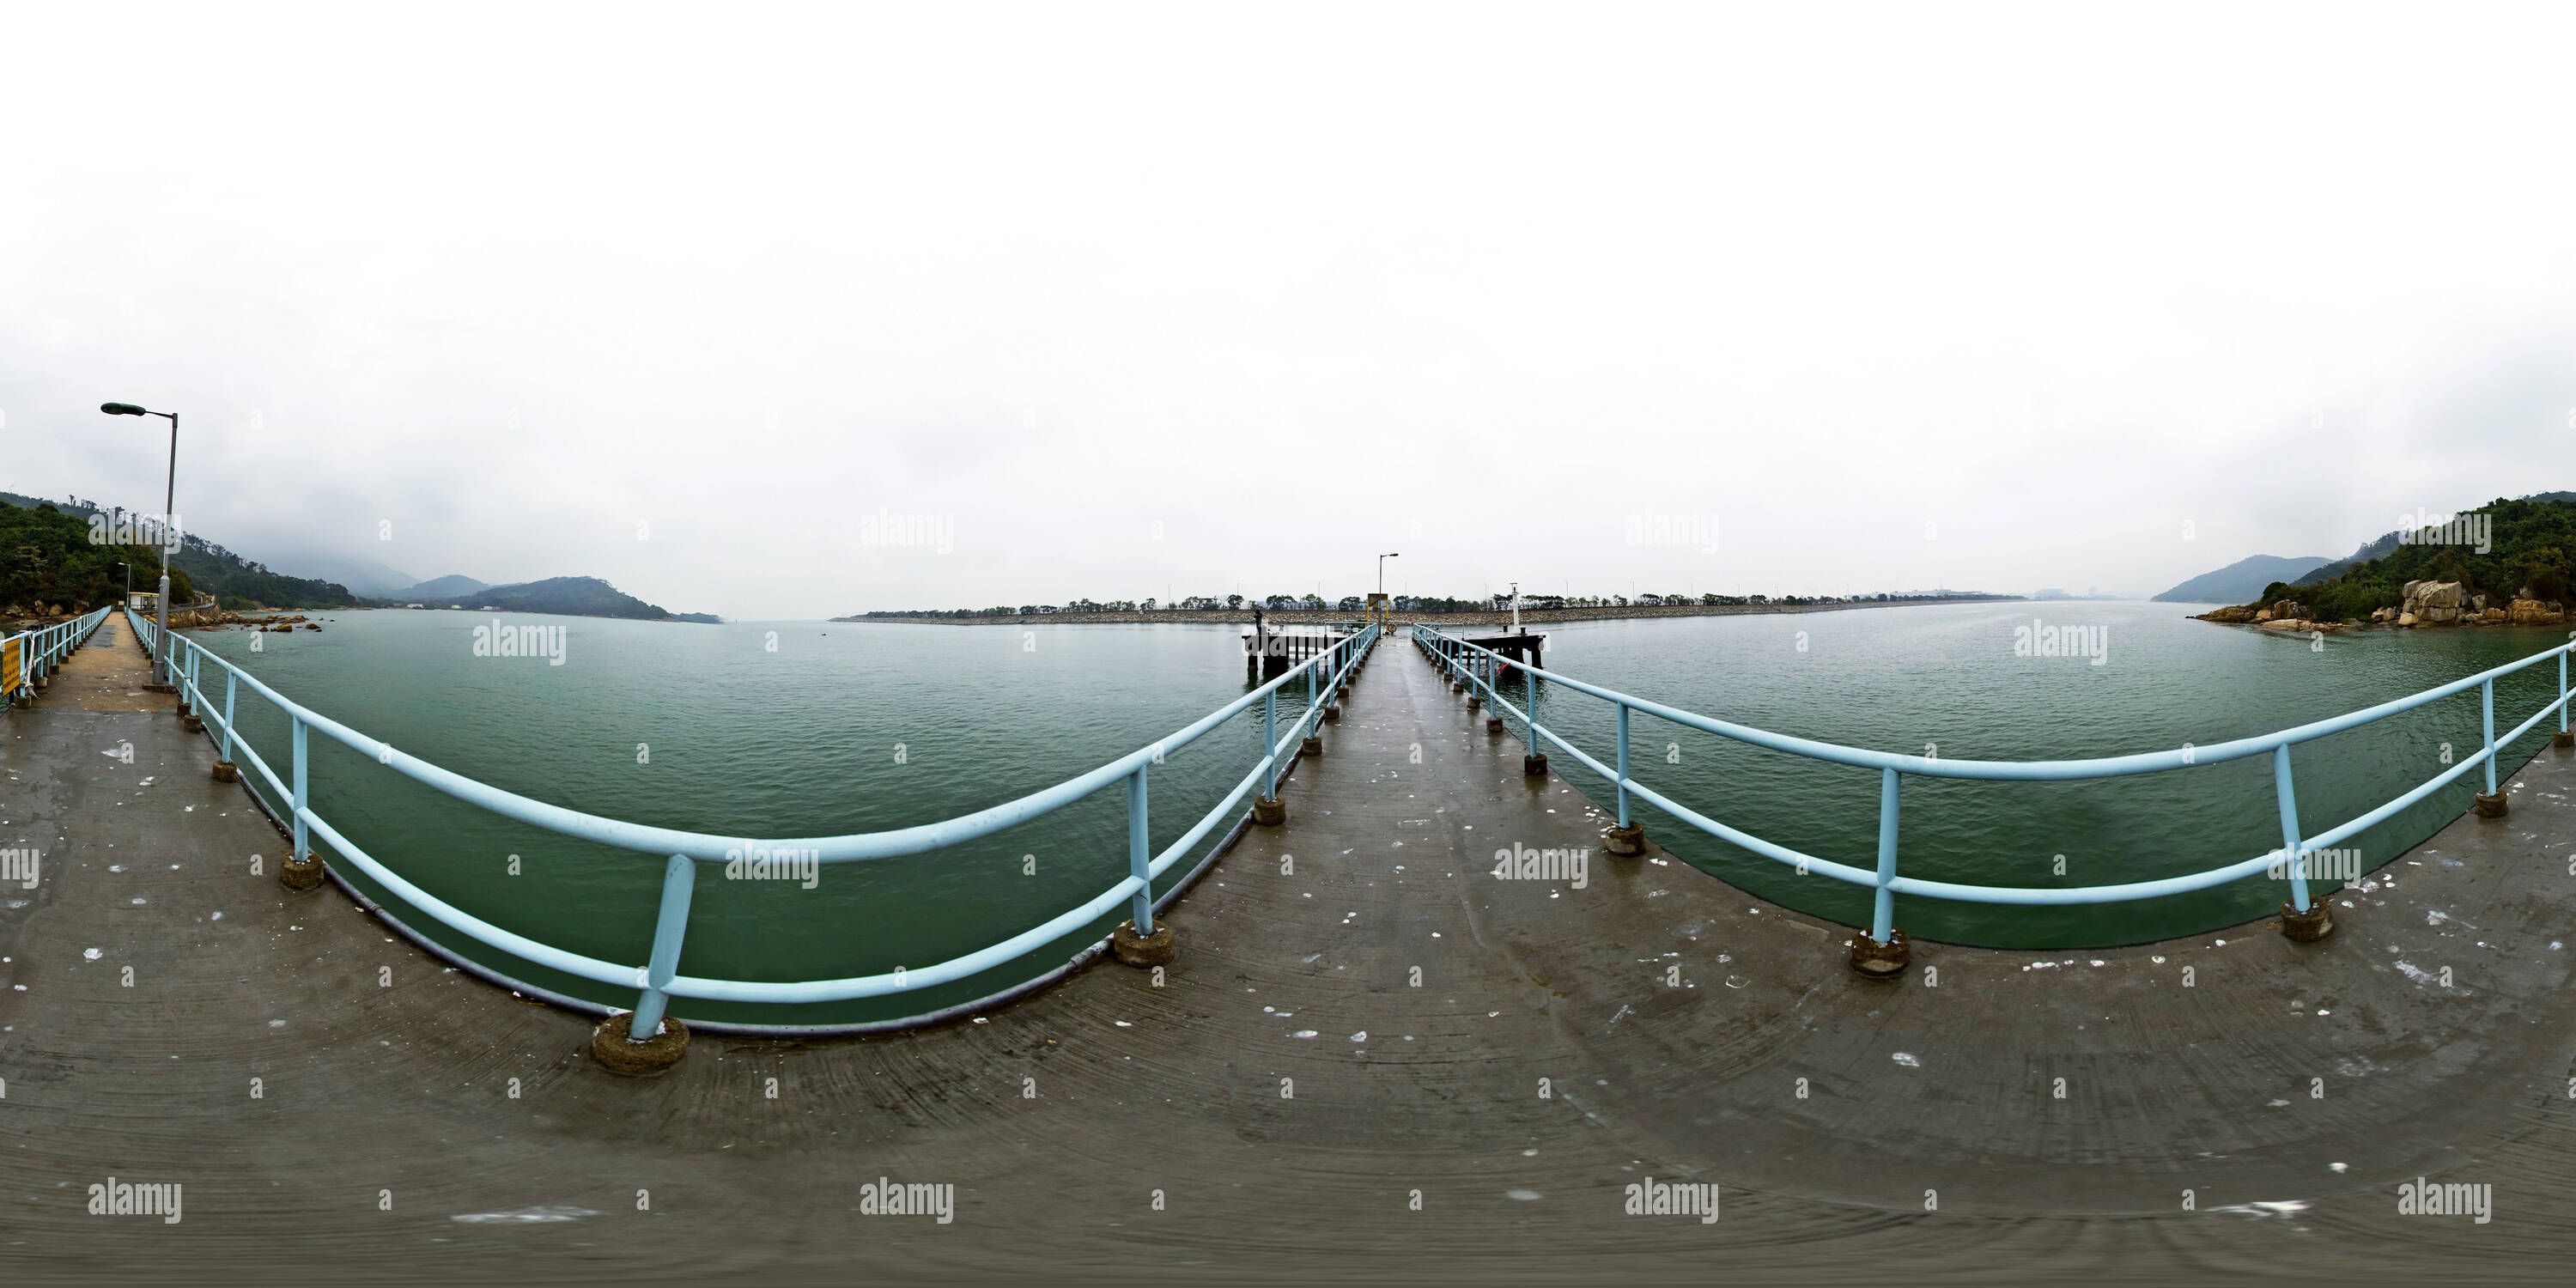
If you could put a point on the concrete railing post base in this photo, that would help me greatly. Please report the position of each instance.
(192, 722)
(1629, 840)
(1269, 811)
(1475, 700)
(620, 1054)
(1493, 724)
(1877, 960)
(2307, 927)
(161, 688)
(1457, 686)
(2490, 806)
(1143, 950)
(1311, 747)
(300, 874)
(1333, 714)
(227, 772)
(1534, 766)
(2562, 738)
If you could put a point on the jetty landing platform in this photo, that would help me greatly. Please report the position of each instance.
(1371, 1057)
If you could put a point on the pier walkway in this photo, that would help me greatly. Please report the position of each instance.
(1290, 1094)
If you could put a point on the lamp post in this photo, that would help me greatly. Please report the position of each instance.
(169, 497)
(129, 582)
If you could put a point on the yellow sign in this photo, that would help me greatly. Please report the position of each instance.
(13, 665)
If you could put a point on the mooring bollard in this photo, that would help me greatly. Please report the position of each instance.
(1880, 959)
(618, 1054)
(2306, 927)
(301, 873)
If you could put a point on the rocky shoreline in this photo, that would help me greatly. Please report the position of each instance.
(2423, 604)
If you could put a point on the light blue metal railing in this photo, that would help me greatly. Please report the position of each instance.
(41, 650)
(658, 979)
(1480, 668)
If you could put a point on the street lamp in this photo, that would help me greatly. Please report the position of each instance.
(129, 582)
(1381, 571)
(169, 498)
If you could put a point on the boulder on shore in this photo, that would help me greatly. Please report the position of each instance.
(2433, 602)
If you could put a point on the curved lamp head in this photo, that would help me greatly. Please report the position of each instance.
(122, 409)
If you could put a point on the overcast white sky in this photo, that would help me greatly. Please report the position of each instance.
(1298, 285)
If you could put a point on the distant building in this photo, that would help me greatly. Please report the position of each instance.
(2049, 592)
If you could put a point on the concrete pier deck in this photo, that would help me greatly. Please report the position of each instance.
(1291, 1104)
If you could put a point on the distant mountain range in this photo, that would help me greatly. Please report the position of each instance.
(563, 596)
(451, 586)
(361, 576)
(2243, 579)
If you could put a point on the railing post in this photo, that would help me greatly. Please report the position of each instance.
(1623, 764)
(2302, 919)
(193, 697)
(1627, 838)
(1882, 913)
(2291, 842)
(1310, 699)
(224, 771)
(2486, 711)
(1266, 809)
(1139, 942)
(2564, 738)
(645, 1042)
(679, 884)
(301, 787)
(301, 871)
(2489, 804)
(1139, 864)
(1882, 953)
(1534, 762)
